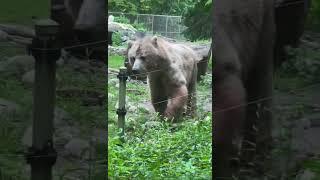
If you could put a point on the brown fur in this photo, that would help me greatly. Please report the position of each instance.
(171, 71)
(243, 36)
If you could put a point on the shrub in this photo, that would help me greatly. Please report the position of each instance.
(116, 39)
(140, 27)
(121, 19)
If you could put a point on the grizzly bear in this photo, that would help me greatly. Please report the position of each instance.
(171, 70)
(243, 51)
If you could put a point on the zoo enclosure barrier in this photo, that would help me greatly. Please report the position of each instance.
(123, 75)
(123, 71)
(121, 119)
(46, 51)
(164, 25)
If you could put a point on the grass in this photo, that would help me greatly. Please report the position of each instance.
(13, 125)
(161, 151)
(115, 62)
(21, 11)
(314, 166)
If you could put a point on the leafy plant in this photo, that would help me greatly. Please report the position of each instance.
(174, 7)
(199, 21)
(154, 149)
(313, 21)
(116, 39)
(140, 27)
(121, 19)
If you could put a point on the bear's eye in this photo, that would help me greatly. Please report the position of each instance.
(143, 58)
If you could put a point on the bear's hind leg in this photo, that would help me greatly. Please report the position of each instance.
(192, 96)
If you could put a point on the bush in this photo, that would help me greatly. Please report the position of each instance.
(116, 39)
(160, 153)
(154, 149)
(140, 27)
(121, 19)
(314, 15)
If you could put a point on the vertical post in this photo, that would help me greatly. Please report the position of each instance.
(152, 24)
(179, 26)
(42, 155)
(167, 26)
(121, 111)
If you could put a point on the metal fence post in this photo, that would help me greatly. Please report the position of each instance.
(45, 49)
(152, 25)
(121, 111)
(167, 26)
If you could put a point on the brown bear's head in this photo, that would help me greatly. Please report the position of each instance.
(146, 55)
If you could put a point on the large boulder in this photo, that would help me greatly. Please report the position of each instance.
(8, 106)
(28, 78)
(127, 32)
(17, 65)
(3, 36)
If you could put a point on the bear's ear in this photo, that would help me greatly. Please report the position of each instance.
(154, 41)
(130, 43)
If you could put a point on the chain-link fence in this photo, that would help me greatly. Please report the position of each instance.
(164, 25)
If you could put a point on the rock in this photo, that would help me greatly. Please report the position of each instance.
(147, 106)
(111, 18)
(29, 77)
(121, 51)
(64, 134)
(3, 36)
(77, 148)
(61, 117)
(208, 107)
(18, 30)
(63, 131)
(122, 28)
(27, 137)
(17, 65)
(60, 62)
(8, 106)
(152, 124)
(112, 82)
(306, 175)
(126, 31)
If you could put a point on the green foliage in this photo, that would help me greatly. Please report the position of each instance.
(199, 21)
(155, 149)
(160, 153)
(314, 166)
(116, 39)
(314, 16)
(115, 62)
(121, 19)
(140, 27)
(14, 11)
(174, 7)
(122, 6)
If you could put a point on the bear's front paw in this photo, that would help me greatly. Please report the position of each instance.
(169, 114)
